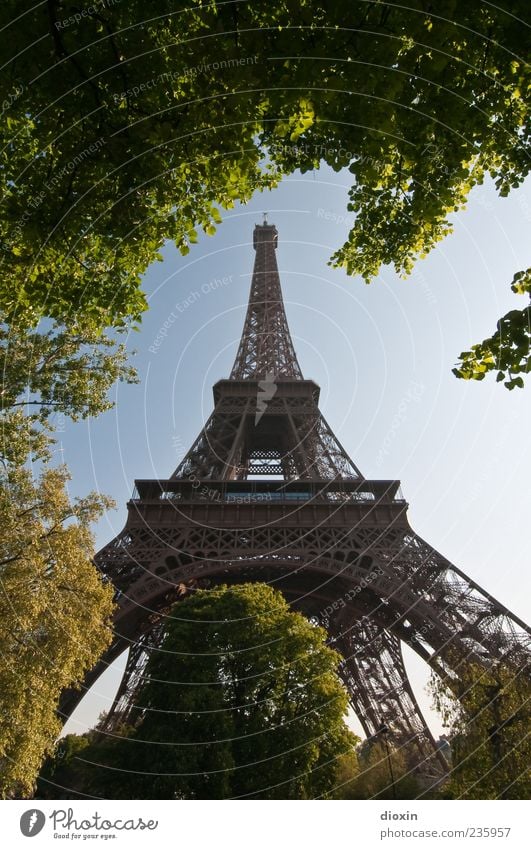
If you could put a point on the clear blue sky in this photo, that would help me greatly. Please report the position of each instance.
(382, 355)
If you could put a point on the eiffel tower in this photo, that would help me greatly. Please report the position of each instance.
(268, 493)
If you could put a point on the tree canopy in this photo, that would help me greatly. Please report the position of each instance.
(242, 700)
(124, 129)
(54, 614)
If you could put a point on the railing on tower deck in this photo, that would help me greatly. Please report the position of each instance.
(193, 490)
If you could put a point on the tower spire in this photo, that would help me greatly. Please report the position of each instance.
(266, 419)
(266, 349)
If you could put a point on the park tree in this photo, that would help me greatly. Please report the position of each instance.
(123, 129)
(54, 613)
(379, 771)
(54, 609)
(242, 700)
(71, 765)
(62, 768)
(487, 711)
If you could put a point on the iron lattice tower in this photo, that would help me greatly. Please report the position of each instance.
(267, 493)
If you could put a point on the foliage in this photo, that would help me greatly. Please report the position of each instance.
(347, 771)
(60, 768)
(69, 768)
(242, 700)
(124, 129)
(509, 349)
(54, 613)
(378, 773)
(488, 711)
(109, 148)
(65, 370)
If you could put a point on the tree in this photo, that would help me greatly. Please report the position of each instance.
(61, 769)
(122, 131)
(377, 773)
(488, 711)
(242, 700)
(67, 370)
(54, 613)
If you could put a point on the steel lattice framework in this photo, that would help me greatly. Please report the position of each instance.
(337, 545)
(265, 347)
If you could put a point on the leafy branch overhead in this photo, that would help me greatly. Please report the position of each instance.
(123, 131)
(509, 349)
(63, 370)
